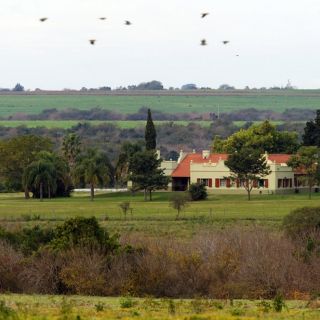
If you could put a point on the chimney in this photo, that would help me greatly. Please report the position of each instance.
(205, 154)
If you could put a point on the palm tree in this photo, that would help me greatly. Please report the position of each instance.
(48, 175)
(71, 148)
(93, 168)
(40, 174)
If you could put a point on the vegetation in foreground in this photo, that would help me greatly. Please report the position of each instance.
(81, 257)
(25, 307)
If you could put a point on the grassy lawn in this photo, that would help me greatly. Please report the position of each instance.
(54, 307)
(277, 101)
(155, 217)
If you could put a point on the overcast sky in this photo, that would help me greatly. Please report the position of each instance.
(276, 40)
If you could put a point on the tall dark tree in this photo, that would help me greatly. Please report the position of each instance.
(311, 135)
(150, 133)
(247, 165)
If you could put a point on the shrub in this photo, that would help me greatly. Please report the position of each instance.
(83, 232)
(10, 268)
(84, 272)
(126, 302)
(302, 222)
(198, 192)
(178, 202)
(278, 303)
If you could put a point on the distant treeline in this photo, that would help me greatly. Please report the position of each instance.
(251, 114)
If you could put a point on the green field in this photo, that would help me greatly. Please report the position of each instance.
(156, 217)
(67, 124)
(173, 103)
(130, 124)
(53, 307)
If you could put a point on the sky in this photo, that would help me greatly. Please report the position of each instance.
(276, 40)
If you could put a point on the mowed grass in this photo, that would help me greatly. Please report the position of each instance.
(54, 307)
(156, 217)
(223, 101)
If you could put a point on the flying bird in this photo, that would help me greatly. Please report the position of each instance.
(203, 15)
(225, 42)
(92, 41)
(43, 19)
(127, 23)
(203, 42)
(102, 18)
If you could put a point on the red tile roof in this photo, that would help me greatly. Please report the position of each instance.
(279, 158)
(183, 169)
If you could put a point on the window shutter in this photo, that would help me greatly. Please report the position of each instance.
(255, 183)
(238, 183)
(210, 183)
(217, 183)
(266, 183)
(290, 181)
(228, 183)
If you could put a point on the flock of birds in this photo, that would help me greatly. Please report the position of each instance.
(129, 23)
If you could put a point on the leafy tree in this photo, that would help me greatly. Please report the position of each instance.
(178, 202)
(262, 137)
(150, 133)
(306, 160)
(151, 85)
(146, 174)
(18, 88)
(93, 168)
(247, 165)
(16, 155)
(189, 86)
(71, 147)
(311, 135)
(128, 149)
(198, 191)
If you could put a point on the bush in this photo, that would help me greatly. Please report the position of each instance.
(198, 192)
(302, 222)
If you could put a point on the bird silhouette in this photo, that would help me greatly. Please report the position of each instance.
(127, 23)
(203, 15)
(225, 42)
(43, 19)
(92, 41)
(203, 42)
(102, 18)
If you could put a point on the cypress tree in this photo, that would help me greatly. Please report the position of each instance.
(150, 133)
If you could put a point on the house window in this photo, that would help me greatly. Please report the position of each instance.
(206, 182)
(223, 183)
(261, 183)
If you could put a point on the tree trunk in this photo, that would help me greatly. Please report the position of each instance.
(249, 195)
(145, 194)
(26, 193)
(41, 191)
(49, 192)
(150, 195)
(91, 191)
(310, 190)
